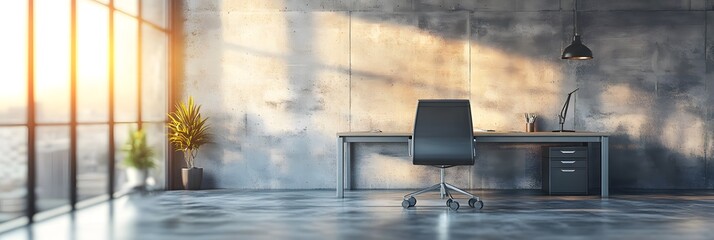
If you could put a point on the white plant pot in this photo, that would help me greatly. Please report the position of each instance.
(136, 177)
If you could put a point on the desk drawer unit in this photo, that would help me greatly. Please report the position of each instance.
(565, 170)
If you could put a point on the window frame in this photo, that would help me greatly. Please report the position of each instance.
(31, 123)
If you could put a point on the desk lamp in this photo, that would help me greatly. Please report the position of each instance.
(564, 113)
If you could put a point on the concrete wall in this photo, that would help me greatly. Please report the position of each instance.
(278, 79)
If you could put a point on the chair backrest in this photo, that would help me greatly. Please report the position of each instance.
(443, 133)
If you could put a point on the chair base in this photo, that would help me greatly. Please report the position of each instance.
(443, 188)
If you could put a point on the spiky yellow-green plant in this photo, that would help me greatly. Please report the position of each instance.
(188, 130)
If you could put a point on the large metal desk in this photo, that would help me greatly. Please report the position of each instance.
(345, 139)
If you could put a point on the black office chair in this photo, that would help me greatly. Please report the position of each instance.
(443, 138)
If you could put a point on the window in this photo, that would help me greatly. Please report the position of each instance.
(13, 110)
(78, 75)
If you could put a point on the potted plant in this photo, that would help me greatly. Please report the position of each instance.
(188, 132)
(138, 159)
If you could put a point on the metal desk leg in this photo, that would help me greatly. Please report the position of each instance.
(348, 166)
(340, 167)
(604, 167)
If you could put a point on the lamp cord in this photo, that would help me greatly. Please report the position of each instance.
(575, 18)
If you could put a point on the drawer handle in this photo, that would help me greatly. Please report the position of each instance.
(567, 170)
(567, 152)
(568, 162)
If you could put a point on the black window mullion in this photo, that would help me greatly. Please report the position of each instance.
(172, 68)
(139, 69)
(13, 125)
(111, 160)
(73, 107)
(31, 180)
(153, 25)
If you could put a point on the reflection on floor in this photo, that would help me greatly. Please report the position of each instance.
(238, 214)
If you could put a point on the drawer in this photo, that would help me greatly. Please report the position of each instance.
(568, 152)
(569, 162)
(568, 180)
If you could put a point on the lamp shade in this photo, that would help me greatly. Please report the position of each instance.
(577, 51)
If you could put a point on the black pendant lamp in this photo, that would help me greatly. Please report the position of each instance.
(576, 50)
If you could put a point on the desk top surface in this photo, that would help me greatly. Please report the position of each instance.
(480, 134)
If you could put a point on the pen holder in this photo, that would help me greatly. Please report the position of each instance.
(530, 127)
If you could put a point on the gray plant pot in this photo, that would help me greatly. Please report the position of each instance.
(192, 178)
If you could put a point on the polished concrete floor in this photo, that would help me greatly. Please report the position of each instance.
(239, 214)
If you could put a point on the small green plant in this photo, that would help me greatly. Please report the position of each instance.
(138, 153)
(189, 130)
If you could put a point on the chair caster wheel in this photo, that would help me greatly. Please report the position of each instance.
(409, 203)
(473, 203)
(448, 202)
(454, 205)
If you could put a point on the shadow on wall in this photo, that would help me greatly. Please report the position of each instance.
(516, 68)
(649, 89)
(275, 116)
(282, 93)
(452, 55)
(281, 83)
(203, 32)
